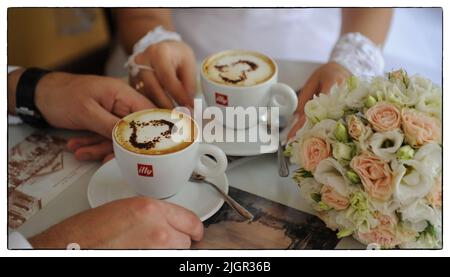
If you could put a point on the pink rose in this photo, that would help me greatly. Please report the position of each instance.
(355, 127)
(333, 199)
(384, 234)
(314, 150)
(384, 117)
(420, 128)
(376, 175)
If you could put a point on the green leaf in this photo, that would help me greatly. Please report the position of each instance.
(316, 197)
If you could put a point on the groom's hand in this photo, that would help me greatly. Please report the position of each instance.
(86, 102)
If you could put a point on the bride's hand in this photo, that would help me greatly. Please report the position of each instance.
(320, 81)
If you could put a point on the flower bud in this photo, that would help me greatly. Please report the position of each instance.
(405, 152)
(341, 132)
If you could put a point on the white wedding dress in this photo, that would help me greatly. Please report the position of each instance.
(294, 34)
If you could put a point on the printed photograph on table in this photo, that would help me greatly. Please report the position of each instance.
(177, 128)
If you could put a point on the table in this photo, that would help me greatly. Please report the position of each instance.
(257, 174)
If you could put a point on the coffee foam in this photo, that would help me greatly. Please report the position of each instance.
(155, 132)
(239, 68)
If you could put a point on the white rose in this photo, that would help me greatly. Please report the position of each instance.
(315, 109)
(396, 95)
(324, 106)
(417, 181)
(393, 91)
(357, 94)
(331, 173)
(431, 103)
(386, 144)
(308, 187)
(342, 151)
(417, 214)
(385, 207)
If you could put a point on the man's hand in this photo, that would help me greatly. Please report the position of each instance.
(173, 76)
(132, 223)
(320, 81)
(86, 102)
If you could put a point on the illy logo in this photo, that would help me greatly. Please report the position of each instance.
(145, 170)
(221, 99)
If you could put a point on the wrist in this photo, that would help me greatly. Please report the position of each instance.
(358, 54)
(153, 37)
(50, 84)
(13, 80)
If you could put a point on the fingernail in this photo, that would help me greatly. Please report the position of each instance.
(85, 156)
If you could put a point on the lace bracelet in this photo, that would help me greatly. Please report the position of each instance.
(358, 54)
(152, 37)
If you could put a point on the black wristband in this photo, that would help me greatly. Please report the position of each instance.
(25, 97)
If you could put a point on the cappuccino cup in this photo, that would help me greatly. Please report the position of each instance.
(238, 78)
(157, 150)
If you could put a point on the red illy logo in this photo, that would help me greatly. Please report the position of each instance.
(221, 99)
(145, 170)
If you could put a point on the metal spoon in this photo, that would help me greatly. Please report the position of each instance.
(195, 177)
(283, 168)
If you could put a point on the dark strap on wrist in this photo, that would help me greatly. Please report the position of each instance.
(25, 97)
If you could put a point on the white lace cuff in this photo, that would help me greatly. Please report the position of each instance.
(152, 37)
(358, 54)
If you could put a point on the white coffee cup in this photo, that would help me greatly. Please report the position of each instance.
(163, 175)
(266, 93)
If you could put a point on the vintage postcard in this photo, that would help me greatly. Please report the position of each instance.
(276, 226)
(39, 168)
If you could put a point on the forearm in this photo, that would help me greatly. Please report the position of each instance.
(13, 79)
(133, 24)
(374, 23)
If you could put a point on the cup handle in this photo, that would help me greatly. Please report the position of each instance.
(211, 169)
(284, 97)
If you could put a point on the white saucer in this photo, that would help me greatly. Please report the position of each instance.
(107, 185)
(250, 148)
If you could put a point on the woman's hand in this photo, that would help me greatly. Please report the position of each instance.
(172, 77)
(320, 81)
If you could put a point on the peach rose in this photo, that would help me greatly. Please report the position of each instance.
(384, 234)
(376, 175)
(333, 199)
(384, 117)
(420, 128)
(314, 150)
(355, 127)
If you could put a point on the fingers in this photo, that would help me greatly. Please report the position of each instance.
(300, 120)
(186, 73)
(184, 221)
(307, 92)
(329, 83)
(108, 157)
(94, 152)
(76, 142)
(166, 73)
(153, 90)
(99, 120)
(129, 100)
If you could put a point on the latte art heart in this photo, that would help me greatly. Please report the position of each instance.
(239, 68)
(149, 144)
(155, 132)
(229, 71)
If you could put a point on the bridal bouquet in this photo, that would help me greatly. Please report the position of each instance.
(370, 160)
